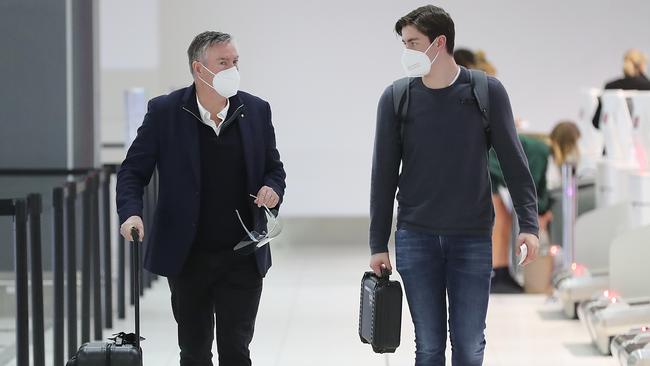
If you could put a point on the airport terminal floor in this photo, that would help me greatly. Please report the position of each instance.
(309, 316)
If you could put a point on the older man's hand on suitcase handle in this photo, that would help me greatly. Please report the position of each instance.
(379, 261)
(130, 223)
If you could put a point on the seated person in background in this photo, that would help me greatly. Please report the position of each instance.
(537, 153)
(635, 69)
(564, 149)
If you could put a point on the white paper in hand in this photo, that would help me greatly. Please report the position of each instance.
(524, 252)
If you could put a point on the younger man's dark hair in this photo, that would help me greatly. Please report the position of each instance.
(432, 21)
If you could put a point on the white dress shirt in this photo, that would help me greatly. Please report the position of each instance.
(206, 117)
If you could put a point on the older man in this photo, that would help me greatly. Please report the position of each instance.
(214, 147)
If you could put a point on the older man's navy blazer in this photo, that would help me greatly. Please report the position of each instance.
(168, 140)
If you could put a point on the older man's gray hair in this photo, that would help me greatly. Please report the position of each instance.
(196, 50)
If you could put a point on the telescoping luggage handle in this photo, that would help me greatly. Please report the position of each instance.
(135, 249)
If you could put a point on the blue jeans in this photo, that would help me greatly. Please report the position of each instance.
(432, 266)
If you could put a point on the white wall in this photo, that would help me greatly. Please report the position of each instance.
(323, 65)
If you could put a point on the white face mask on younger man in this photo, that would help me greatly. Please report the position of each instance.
(417, 63)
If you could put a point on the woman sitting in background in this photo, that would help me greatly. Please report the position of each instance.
(564, 149)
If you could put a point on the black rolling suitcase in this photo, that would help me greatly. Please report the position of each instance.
(123, 349)
(380, 316)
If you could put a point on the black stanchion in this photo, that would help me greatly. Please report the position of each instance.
(35, 208)
(121, 269)
(64, 261)
(105, 180)
(18, 209)
(22, 294)
(57, 266)
(96, 258)
(71, 265)
(86, 258)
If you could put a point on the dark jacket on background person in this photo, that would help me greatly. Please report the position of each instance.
(640, 82)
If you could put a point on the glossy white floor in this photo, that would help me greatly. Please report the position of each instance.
(309, 316)
(309, 311)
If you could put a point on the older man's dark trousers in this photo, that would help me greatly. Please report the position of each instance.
(216, 288)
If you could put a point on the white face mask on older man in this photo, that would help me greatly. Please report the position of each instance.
(225, 82)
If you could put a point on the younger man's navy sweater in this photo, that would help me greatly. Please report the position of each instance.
(444, 186)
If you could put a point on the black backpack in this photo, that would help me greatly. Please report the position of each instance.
(478, 80)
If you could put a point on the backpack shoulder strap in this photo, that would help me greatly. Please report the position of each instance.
(401, 98)
(479, 82)
(401, 101)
